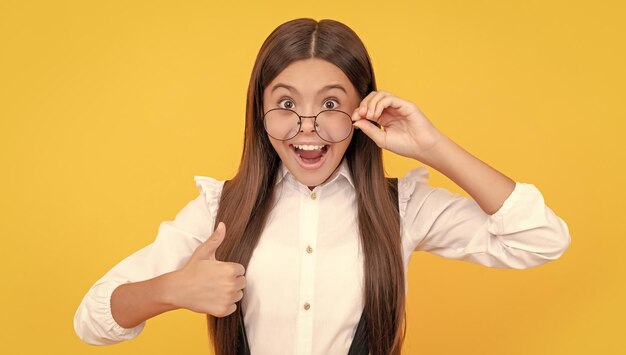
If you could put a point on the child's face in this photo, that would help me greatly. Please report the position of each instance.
(308, 95)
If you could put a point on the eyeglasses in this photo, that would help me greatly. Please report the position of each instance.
(332, 126)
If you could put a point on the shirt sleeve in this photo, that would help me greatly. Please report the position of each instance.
(175, 242)
(523, 233)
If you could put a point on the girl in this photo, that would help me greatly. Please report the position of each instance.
(308, 240)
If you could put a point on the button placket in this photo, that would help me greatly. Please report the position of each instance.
(309, 215)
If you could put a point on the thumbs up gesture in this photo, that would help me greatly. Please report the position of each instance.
(207, 285)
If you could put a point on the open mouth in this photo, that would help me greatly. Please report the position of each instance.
(310, 156)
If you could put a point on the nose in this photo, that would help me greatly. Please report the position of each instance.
(308, 124)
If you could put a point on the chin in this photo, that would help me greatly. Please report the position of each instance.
(310, 160)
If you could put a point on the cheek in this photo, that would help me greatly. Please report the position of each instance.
(345, 144)
(281, 148)
(276, 145)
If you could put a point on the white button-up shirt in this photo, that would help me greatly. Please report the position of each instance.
(304, 292)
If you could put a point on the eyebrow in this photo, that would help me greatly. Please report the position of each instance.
(325, 88)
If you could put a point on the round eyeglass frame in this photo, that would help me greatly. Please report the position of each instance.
(314, 124)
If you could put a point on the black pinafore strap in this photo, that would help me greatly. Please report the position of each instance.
(359, 344)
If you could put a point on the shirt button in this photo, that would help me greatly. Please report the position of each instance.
(309, 249)
(314, 196)
(307, 306)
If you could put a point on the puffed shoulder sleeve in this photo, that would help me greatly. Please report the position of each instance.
(523, 233)
(175, 242)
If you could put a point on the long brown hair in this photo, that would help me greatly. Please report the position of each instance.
(247, 199)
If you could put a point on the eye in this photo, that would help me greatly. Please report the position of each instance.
(288, 104)
(331, 104)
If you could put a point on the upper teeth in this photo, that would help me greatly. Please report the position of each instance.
(309, 147)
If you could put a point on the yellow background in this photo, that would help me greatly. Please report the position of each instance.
(109, 108)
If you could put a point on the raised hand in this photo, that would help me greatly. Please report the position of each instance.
(207, 285)
(406, 131)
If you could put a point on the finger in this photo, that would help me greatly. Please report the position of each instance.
(238, 296)
(386, 102)
(379, 104)
(206, 251)
(360, 111)
(230, 310)
(371, 130)
(240, 282)
(371, 105)
(236, 269)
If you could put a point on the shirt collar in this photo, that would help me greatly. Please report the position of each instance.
(342, 171)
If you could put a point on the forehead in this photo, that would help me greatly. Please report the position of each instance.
(310, 76)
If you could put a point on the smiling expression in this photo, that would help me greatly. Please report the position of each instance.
(309, 86)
